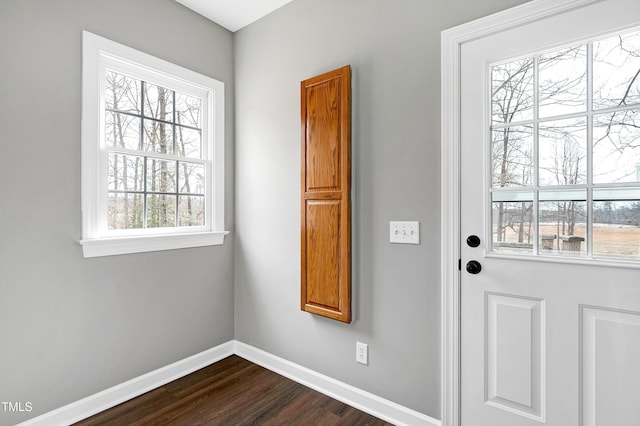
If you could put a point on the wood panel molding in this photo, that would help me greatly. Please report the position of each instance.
(326, 194)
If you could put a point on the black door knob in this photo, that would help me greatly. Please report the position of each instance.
(474, 267)
(473, 241)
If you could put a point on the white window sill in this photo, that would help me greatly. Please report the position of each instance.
(140, 244)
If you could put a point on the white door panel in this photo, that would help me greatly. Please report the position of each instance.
(610, 351)
(550, 340)
(514, 330)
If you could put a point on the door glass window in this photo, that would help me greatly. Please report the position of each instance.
(565, 151)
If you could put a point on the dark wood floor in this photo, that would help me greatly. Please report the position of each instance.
(233, 392)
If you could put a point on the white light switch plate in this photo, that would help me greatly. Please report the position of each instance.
(404, 232)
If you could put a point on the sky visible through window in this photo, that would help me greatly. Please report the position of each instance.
(154, 138)
(565, 144)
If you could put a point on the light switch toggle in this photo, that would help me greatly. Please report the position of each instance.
(404, 232)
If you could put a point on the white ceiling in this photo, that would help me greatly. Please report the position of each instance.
(233, 14)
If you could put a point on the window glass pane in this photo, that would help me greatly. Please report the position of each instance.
(121, 130)
(562, 227)
(604, 194)
(512, 156)
(158, 137)
(512, 91)
(158, 102)
(512, 196)
(122, 93)
(616, 147)
(161, 211)
(190, 210)
(563, 152)
(191, 180)
(188, 110)
(161, 175)
(188, 142)
(548, 141)
(616, 62)
(616, 229)
(125, 211)
(126, 172)
(512, 226)
(563, 195)
(563, 82)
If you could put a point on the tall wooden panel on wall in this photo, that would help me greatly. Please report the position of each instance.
(326, 195)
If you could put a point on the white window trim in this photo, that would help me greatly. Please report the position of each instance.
(96, 239)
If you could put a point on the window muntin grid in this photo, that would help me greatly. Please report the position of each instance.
(153, 140)
(565, 151)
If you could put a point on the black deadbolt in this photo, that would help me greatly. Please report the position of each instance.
(473, 241)
(474, 267)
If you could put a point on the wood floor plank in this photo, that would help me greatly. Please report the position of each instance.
(210, 397)
(293, 412)
(233, 391)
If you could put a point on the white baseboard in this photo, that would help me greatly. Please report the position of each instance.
(364, 401)
(357, 398)
(113, 396)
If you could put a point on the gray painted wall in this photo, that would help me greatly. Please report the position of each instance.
(69, 326)
(394, 49)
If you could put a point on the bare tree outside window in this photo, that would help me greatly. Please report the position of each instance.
(146, 190)
(555, 145)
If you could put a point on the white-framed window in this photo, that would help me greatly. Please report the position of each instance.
(565, 151)
(152, 153)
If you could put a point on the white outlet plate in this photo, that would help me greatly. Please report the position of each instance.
(362, 353)
(404, 232)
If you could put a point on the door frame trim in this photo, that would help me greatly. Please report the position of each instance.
(451, 44)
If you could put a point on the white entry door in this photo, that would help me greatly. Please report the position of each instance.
(550, 221)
